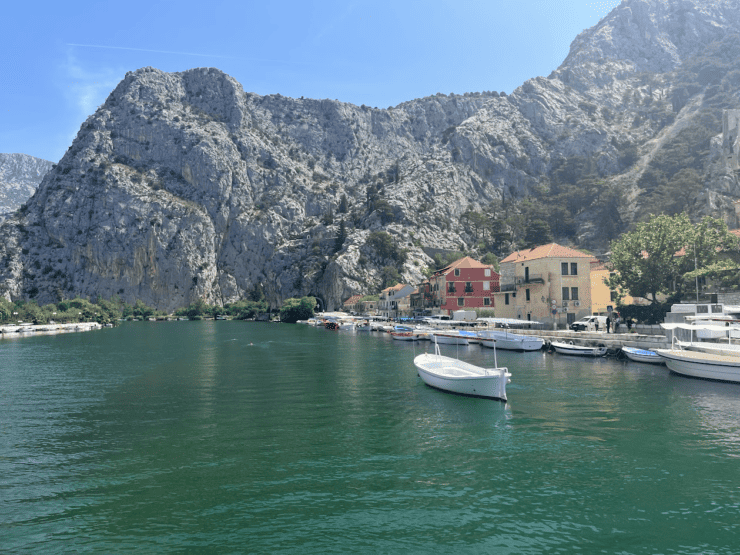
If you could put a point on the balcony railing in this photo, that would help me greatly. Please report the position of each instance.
(505, 287)
(533, 278)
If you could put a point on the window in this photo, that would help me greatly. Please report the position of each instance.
(566, 293)
(486, 286)
(450, 286)
(487, 272)
(468, 287)
(574, 268)
(613, 296)
(564, 268)
(527, 292)
(506, 298)
(486, 301)
(461, 301)
(457, 271)
(574, 293)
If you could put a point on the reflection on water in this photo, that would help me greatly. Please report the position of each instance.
(248, 437)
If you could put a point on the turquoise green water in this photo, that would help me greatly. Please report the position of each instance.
(233, 437)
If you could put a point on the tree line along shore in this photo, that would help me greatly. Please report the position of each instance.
(111, 311)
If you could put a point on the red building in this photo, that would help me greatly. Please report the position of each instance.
(466, 284)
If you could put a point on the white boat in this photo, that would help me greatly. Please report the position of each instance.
(642, 355)
(510, 341)
(577, 350)
(729, 349)
(449, 338)
(698, 364)
(405, 336)
(456, 376)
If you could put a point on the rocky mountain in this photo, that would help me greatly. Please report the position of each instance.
(20, 174)
(184, 186)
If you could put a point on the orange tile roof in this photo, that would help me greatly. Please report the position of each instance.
(396, 287)
(353, 299)
(465, 262)
(553, 250)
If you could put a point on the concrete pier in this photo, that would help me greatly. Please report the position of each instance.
(612, 341)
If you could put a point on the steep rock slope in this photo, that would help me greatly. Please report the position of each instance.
(182, 186)
(20, 174)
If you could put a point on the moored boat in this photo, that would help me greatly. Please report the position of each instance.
(449, 338)
(405, 336)
(642, 355)
(456, 376)
(577, 350)
(510, 341)
(698, 364)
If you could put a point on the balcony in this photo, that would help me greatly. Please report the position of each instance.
(533, 278)
(505, 287)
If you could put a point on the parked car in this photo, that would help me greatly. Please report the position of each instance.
(589, 323)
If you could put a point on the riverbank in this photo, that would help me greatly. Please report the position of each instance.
(10, 330)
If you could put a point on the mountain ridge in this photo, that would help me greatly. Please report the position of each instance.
(183, 186)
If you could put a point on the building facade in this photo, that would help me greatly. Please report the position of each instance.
(395, 301)
(549, 284)
(466, 284)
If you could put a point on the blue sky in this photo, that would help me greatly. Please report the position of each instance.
(60, 60)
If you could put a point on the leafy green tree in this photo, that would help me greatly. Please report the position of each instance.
(246, 309)
(389, 276)
(645, 261)
(142, 311)
(479, 223)
(385, 247)
(537, 233)
(668, 252)
(297, 309)
(706, 252)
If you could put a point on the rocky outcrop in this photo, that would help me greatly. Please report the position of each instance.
(184, 186)
(20, 174)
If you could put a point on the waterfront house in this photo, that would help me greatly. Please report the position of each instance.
(352, 304)
(466, 284)
(550, 284)
(395, 301)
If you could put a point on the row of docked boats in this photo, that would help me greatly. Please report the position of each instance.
(501, 339)
(697, 359)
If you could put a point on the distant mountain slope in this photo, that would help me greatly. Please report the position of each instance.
(182, 186)
(20, 174)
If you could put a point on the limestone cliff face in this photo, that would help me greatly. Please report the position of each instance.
(184, 186)
(20, 174)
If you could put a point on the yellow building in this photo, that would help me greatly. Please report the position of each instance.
(602, 297)
(550, 284)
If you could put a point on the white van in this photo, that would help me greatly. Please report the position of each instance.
(589, 323)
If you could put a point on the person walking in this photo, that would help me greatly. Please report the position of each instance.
(608, 323)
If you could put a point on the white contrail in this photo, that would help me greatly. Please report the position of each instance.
(147, 50)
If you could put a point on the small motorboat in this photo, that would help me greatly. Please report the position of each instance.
(698, 364)
(642, 355)
(449, 338)
(405, 336)
(577, 350)
(510, 341)
(456, 376)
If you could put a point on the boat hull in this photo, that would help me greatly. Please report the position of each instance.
(577, 350)
(405, 336)
(513, 342)
(642, 355)
(447, 339)
(453, 376)
(707, 366)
